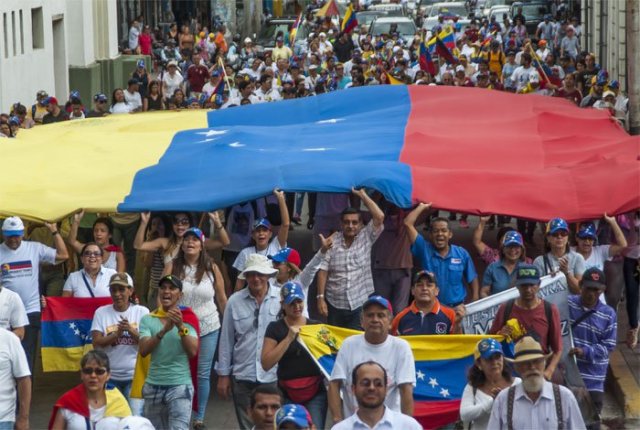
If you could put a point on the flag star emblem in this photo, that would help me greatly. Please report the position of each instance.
(444, 392)
(433, 382)
(72, 326)
(420, 375)
(212, 133)
(76, 332)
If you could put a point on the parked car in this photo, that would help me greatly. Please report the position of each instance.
(533, 11)
(449, 10)
(486, 10)
(266, 39)
(392, 9)
(498, 12)
(405, 27)
(368, 16)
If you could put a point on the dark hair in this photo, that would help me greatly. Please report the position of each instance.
(439, 219)
(350, 211)
(113, 96)
(173, 240)
(268, 389)
(165, 223)
(204, 265)
(354, 372)
(75, 101)
(88, 244)
(477, 378)
(98, 356)
(106, 221)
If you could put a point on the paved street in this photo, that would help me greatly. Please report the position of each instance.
(220, 414)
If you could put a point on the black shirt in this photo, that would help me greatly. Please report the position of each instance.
(50, 118)
(296, 361)
(96, 114)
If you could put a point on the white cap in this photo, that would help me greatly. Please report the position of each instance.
(322, 34)
(607, 94)
(12, 226)
(258, 263)
(330, 31)
(396, 49)
(247, 40)
(571, 27)
(459, 68)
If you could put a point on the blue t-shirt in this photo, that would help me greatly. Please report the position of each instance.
(451, 271)
(497, 277)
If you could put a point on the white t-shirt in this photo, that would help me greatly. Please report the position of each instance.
(121, 107)
(394, 354)
(520, 76)
(173, 83)
(76, 421)
(133, 99)
(391, 420)
(76, 283)
(272, 249)
(239, 223)
(19, 270)
(12, 313)
(13, 364)
(599, 254)
(122, 355)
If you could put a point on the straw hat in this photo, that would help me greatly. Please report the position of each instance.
(528, 349)
(258, 263)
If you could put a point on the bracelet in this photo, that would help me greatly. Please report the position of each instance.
(53, 233)
(320, 296)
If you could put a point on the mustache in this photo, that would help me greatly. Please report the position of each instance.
(532, 373)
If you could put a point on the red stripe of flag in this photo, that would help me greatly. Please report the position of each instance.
(72, 308)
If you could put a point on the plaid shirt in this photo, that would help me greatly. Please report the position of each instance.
(349, 280)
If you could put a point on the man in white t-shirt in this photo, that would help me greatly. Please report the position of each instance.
(13, 316)
(520, 77)
(14, 372)
(392, 353)
(19, 263)
(132, 95)
(369, 386)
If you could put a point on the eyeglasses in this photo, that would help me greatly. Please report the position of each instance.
(91, 254)
(97, 370)
(181, 221)
(561, 233)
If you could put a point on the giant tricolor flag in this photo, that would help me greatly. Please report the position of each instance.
(66, 331)
(441, 363)
(529, 156)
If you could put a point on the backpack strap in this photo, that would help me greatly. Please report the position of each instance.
(511, 395)
(558, 400)
(507, 309)
(547, 264)
(548, 313)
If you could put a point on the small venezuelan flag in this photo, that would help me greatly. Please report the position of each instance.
(441, 361)
(349, 21)
(66, 331)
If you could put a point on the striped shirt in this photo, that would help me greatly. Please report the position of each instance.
(349, 279)
(596, 335)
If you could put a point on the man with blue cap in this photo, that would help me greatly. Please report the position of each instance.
(293, 417)
(535, 316)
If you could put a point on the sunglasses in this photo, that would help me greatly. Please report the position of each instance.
(91, 370)
(91, 254)
(560, 234)
(181, 221)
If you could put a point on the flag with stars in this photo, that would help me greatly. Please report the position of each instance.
(66, 331)
(441, 361)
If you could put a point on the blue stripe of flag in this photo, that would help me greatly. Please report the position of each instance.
(66, 334)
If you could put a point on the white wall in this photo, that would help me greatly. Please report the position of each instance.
(27, 71)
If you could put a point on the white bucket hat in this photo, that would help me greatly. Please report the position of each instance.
(258, 263)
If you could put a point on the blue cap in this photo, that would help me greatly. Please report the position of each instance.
(431, 277)
(527, 274)
(203, 99)
(140, 64)
(262, 222)
(215, 73)
(285, 255)
(486, 348)
(377, 300)
(192, 100)
(219, 100)
(614, 84)
(195, 231)
(512, 238)
(100, 98)
(556, 225)
(292, 291)
(587, 230)
(292, 413)
(75, 94)
(14, 120)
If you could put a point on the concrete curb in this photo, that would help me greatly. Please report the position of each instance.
(624, 385)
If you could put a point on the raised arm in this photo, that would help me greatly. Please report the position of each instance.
(283, 233)
(376, 213)
(480, 246)
(139, 243)
(411, 218)
(223, 238)
(621, 241)
(72, 239)
(61, 247)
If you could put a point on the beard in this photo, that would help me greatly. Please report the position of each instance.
(532, 383)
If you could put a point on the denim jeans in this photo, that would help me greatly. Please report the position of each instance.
(123, 235)
(7, 425)
(208, 344)
(168, 407)
(317, 407)
(30, 340)
(344, 318)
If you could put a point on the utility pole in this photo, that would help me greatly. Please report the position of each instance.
(633, 62)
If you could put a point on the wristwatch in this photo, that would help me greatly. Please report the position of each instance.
(183, 331)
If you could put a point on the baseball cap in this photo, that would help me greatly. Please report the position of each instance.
(292, 291)
(100, 97)
(50, 100)
(172, 63)
(279, 39)
(512, 238)
(377, 300)
(14, 120)
(594, 278)
(75, 94)
(215, 73)
(133, 81)
(195, 231)
(140, 64)
(459, 68)
(119, 279)
(607, 94)
(41, 94)
(431, 277)
(173, 280)
(212, 36)
(486, 348)
(12, 226)
(556, 225)
(542, 43)
(262, 222)
(614, 84)
(286, 255)
(527, 274)
(587, 230)
(292, 413)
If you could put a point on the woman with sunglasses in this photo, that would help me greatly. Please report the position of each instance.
(559, 257)
(170, 246)
(112, 255)
(114, 330)
(202, 288)
(486, 378)
(298, 375)
(89, 402)
(93, 279)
